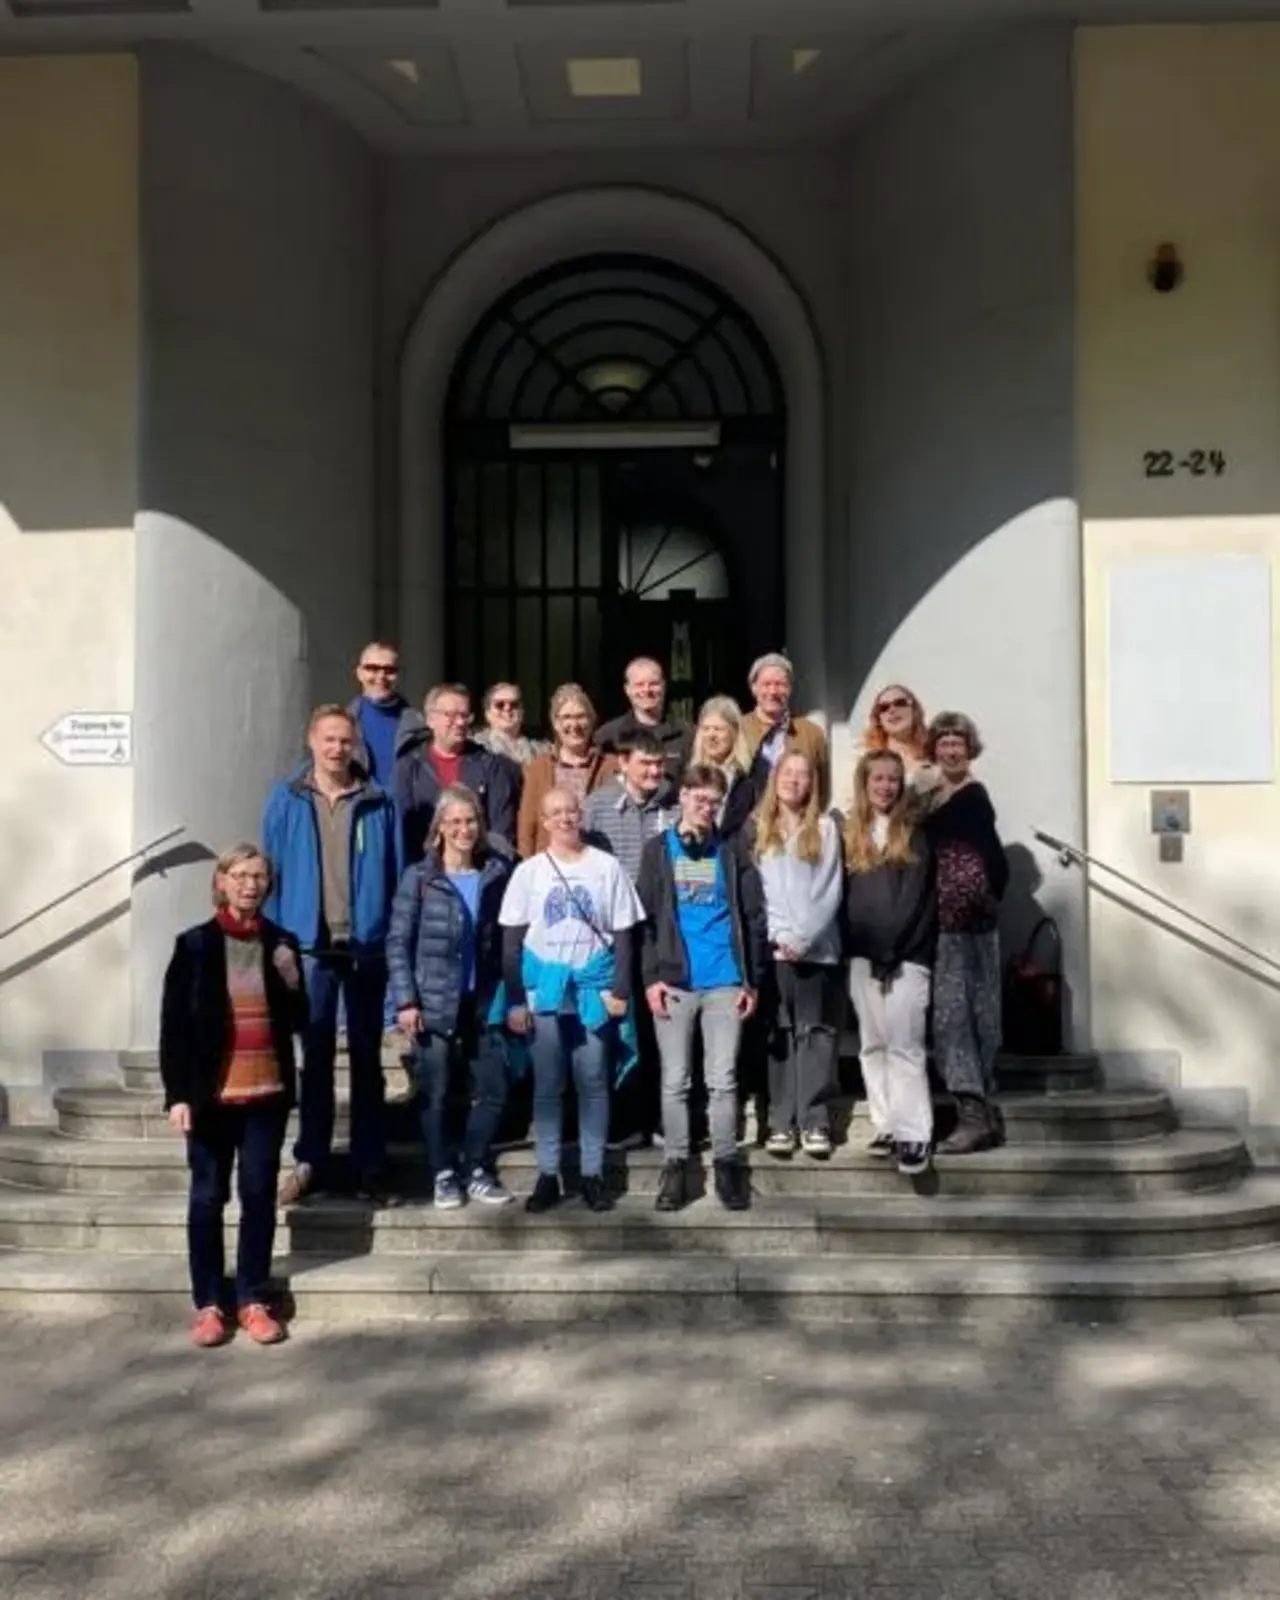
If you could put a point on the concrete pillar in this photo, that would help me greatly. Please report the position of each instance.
(220, 699)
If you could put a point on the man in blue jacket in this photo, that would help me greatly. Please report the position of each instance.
(334, 845)
(384, 720)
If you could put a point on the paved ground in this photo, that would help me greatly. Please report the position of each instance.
(606, 1463)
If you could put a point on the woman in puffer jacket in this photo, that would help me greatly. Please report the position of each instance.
(891, 922)
(444, 960)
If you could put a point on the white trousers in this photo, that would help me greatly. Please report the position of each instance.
(891, 1022)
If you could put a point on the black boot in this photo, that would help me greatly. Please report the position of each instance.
(733, 1185)
(972, 1131)
(673, 1186)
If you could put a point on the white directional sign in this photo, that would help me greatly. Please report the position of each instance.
(91, 739)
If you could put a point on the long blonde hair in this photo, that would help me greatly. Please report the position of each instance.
(727, 710)
(861, 853)
(773, 821)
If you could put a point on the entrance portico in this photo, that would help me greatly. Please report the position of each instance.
(254, 242)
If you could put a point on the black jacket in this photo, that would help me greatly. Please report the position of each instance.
(891, 912)
(663, 958)
(675, 738)
(424, 944)
(495, 779)
(968, 819)
(739, 805)
(195, 1013)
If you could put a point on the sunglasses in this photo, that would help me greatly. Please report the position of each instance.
(899, 704)
(505, 705)
(378, 667)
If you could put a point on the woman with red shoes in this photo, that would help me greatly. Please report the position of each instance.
(233, 1000)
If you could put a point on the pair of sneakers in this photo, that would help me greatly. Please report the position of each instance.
(483, 1187)
(211, 1328)
(815, 1142)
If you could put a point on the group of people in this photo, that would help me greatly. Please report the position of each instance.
(609, 907)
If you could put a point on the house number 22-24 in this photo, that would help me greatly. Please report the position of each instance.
(1196, 463)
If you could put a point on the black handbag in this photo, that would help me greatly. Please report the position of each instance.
(1033, 994)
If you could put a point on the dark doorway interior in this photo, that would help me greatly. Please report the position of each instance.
(564, 562)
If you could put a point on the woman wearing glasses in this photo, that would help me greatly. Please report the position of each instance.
(567, 958)
(573, 764)
(233, 1000)
(897, 724)
(503, 733)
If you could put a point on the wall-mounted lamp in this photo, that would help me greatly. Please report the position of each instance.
(1165, 271)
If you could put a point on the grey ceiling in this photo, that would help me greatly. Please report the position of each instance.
(479, 75)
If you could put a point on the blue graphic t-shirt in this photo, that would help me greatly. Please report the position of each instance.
(704, 914)
(467, 885)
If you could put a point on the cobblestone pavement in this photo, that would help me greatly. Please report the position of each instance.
(608, 1462)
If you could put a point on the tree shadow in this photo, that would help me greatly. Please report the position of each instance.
(622, 1459)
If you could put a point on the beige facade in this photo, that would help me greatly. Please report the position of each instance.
(264, 470)
(68, 463)
(1178, 135)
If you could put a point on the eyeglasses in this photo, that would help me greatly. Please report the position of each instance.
(704, 798)
(381, 668)
(505, 705)
(898, 704)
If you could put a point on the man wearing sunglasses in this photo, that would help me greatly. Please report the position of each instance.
(385, 723)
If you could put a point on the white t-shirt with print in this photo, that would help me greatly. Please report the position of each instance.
(559, 901)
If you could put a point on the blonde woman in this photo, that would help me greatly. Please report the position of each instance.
(797, 851)
(720, 740)
(573, 764)
(891, 920)
(897, 722)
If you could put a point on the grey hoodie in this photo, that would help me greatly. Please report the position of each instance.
(802, 901)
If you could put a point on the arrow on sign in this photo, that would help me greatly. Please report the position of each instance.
(91, 739)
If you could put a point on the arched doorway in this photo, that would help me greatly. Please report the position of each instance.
(614, 436)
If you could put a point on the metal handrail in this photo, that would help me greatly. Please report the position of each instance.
(88, 883)
(1069, 853)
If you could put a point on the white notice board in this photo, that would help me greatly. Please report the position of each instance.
(1190, 670)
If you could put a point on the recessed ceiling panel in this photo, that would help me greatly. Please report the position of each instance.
(579, 80)
(811, 75)
(568, 5)
(420, 83)
(46, 10)
(355, 7)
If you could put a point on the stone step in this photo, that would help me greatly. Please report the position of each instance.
(892, 1225)
(1091, 1116)
(669, 1289)
(141, 1069)
(1181, 1162)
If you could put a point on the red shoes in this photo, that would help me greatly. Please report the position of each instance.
(259, 1324)
(210, 1328)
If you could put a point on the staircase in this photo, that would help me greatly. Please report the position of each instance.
(1098, 1208)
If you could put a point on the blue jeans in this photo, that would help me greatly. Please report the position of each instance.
(561, 1044)
(362, 986)
(474, 1060)
(218, 1135)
